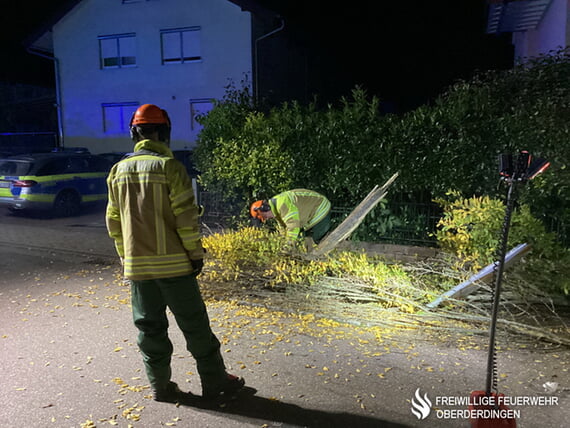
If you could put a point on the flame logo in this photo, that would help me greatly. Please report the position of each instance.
(422, 407)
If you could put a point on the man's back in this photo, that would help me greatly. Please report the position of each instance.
(152, 213)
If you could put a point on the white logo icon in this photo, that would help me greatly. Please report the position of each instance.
(422, 407)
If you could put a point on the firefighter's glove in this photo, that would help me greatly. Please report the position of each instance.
(197, 266)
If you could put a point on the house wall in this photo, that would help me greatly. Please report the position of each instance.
(550, 34)
(85, 87)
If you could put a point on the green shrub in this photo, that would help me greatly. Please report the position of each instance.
(250, 257)
(471, 229)
(343, 151)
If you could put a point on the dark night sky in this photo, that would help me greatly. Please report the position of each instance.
(17, 21)
(404, 52)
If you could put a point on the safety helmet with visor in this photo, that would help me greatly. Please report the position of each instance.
(147, 119)
(258, 208)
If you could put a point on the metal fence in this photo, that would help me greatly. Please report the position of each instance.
(393, 221)
(218, 213)
(397, 222)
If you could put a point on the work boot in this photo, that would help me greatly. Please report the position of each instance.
(168, 394)
(230, 386)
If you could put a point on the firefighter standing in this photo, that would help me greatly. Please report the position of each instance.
(153, 219)
(302, 212)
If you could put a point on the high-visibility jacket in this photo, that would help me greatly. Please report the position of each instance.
(299, 209)
(152, 215)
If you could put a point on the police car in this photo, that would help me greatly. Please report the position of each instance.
(59, 182)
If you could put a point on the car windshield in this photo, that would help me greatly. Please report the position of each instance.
(14, 167)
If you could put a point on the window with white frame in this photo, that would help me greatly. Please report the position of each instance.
(199, 107)
(180, 45)
(118, 50)
(117, 117)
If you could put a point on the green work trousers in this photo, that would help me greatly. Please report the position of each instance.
(150, 298)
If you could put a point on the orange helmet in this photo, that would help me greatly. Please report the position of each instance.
(149, 114)
(257, 208)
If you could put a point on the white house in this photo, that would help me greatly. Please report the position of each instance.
(114, 55)
(538, 26)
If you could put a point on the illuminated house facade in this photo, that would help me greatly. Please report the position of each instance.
(114, 55)
(538, 26)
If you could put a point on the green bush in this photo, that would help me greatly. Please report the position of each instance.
(471, 229)
(343, 151)
(250, 257)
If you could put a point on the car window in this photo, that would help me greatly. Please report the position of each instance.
(12, 167)
(99, 164)
(76, 165)
(53, 167)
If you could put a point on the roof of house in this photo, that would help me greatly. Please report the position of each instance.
(515, 15)
(41, 40)
(255, 7)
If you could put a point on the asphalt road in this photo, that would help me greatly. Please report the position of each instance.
(69, 356)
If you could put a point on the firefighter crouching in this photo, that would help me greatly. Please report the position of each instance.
(303, 213)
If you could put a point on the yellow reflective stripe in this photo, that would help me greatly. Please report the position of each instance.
(290, 215)
(292, 210)
(47, 197)
(158, 272)
(59, 177)
(322, 210)
(183, 196)
(304, 193)
(143, 177)
(157, 259)
(294, 233)
(36, 197)
(190, 238)
(157, 265)
(91, 198)
(144, 158)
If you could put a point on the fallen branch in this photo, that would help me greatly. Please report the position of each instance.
(349, 225)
